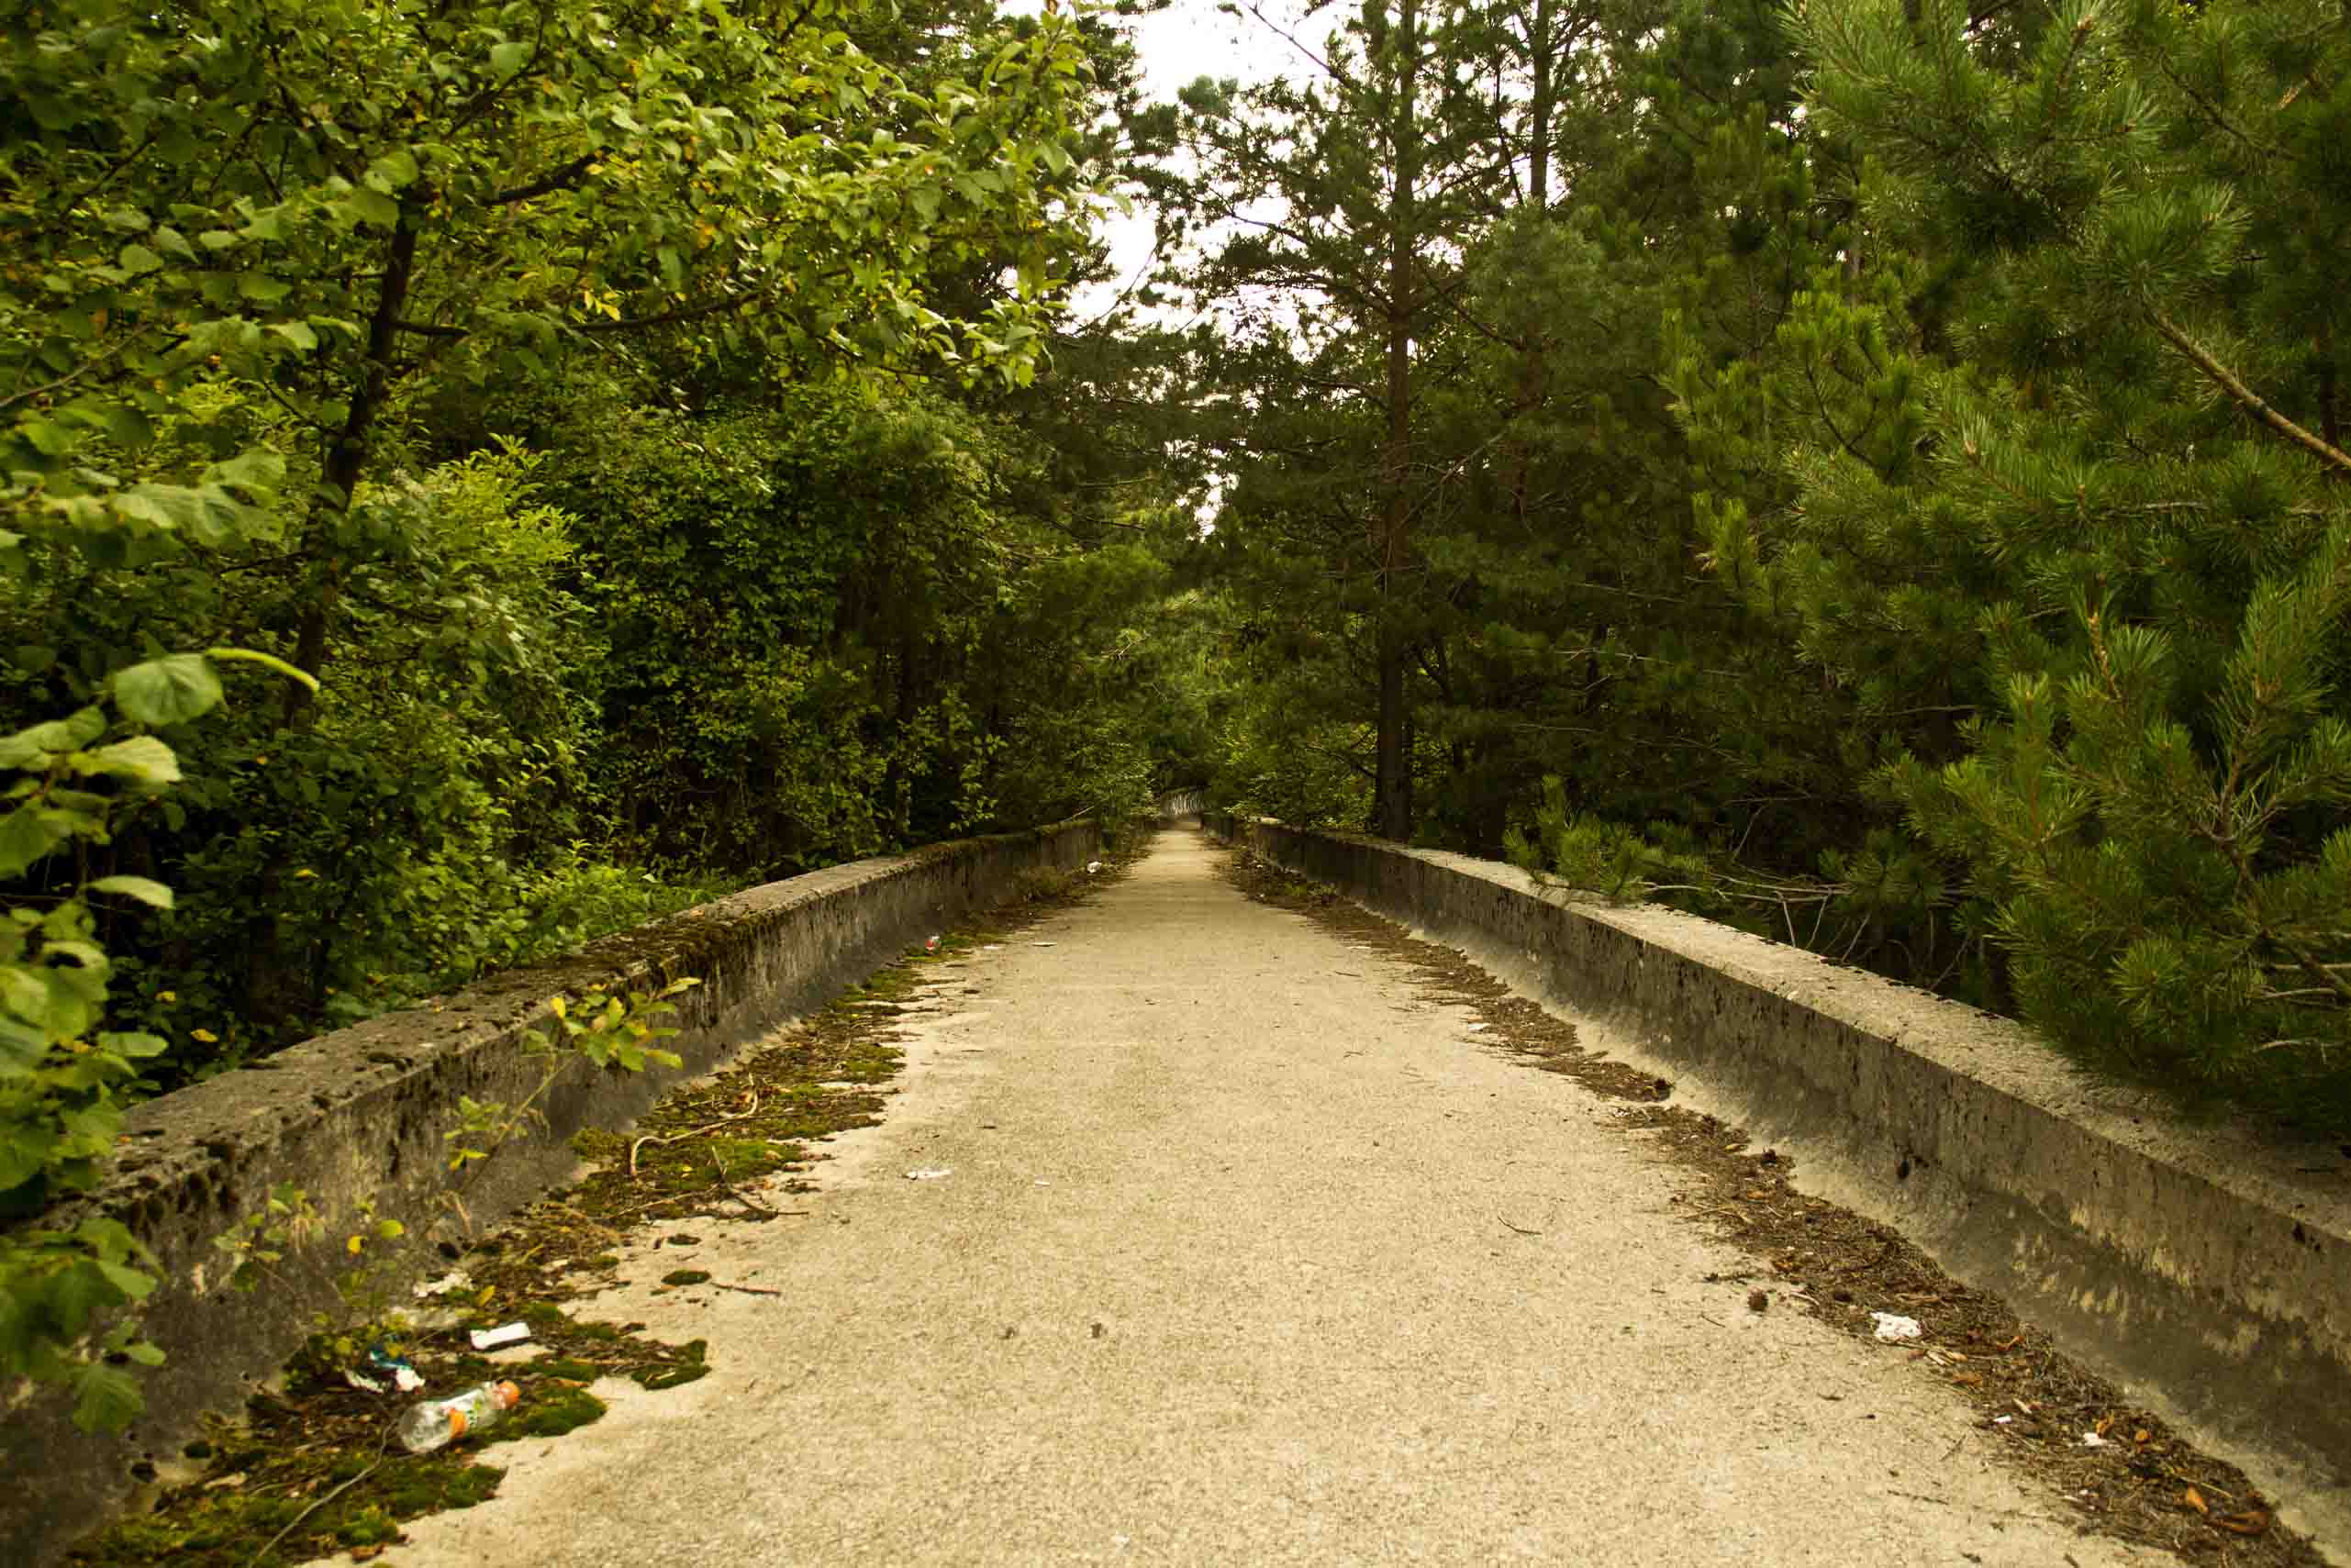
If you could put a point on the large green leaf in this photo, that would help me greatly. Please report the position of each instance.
(260, 472)
(142, 757)
(28, 746)
(136, 1044)
(24, 1150)
(170, 690)
(26, 836)
(21, 1047)
(205, 512)
(145, 889)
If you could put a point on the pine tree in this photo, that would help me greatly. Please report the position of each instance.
(2079, 492)
(1347, 197)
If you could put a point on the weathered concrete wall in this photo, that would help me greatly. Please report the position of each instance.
(360, 1113)
(2207, 1268)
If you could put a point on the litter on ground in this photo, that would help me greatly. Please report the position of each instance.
(506, 1334)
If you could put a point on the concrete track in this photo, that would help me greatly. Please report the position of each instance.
(1246, 1256)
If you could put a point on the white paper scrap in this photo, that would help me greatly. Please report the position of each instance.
(505, 1334)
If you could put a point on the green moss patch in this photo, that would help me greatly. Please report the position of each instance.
(570, 1371)
(671, 1377)
(558, 1411)
(282, 1506)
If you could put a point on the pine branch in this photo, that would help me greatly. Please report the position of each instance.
(2245, 397)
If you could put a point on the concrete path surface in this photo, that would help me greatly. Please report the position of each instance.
(1224, 1272)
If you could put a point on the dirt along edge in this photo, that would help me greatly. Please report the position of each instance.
(2140, 1481)
(314, 1470)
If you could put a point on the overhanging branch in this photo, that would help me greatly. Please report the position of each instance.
(2196, 354)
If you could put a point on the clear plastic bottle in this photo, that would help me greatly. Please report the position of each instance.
(437, 1423)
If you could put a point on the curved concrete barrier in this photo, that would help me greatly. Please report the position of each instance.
(2207, 1268)
(360, 1113)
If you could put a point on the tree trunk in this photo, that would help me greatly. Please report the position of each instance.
(1530, 393)
(1392, 787)
(1539, 52)
(346, 460)
(285, 972)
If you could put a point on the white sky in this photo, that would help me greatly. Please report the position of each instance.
(1189, 40)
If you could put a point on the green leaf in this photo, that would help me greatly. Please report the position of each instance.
(296, 333)
(170, 690)
(145, 889)
(26, 836)
(133, 1285)
(146, 1353)
(106, 1398)
(24, 1150)
(142, 757)
(366, 205)
(206, 511)
(134, 1045)
(22, 1047)
(260, 471)
(138, 258)
(125, 425)
(507, 58)
(393, 170)
(28, 746)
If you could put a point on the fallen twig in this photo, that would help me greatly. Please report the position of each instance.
(735, 1192)
(595, 1224)
(271, 1545)
(691, 1132)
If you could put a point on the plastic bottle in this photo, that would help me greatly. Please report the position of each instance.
(437, 1423)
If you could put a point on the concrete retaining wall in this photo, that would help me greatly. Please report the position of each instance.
(2207, 1269)
(361, 1113)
